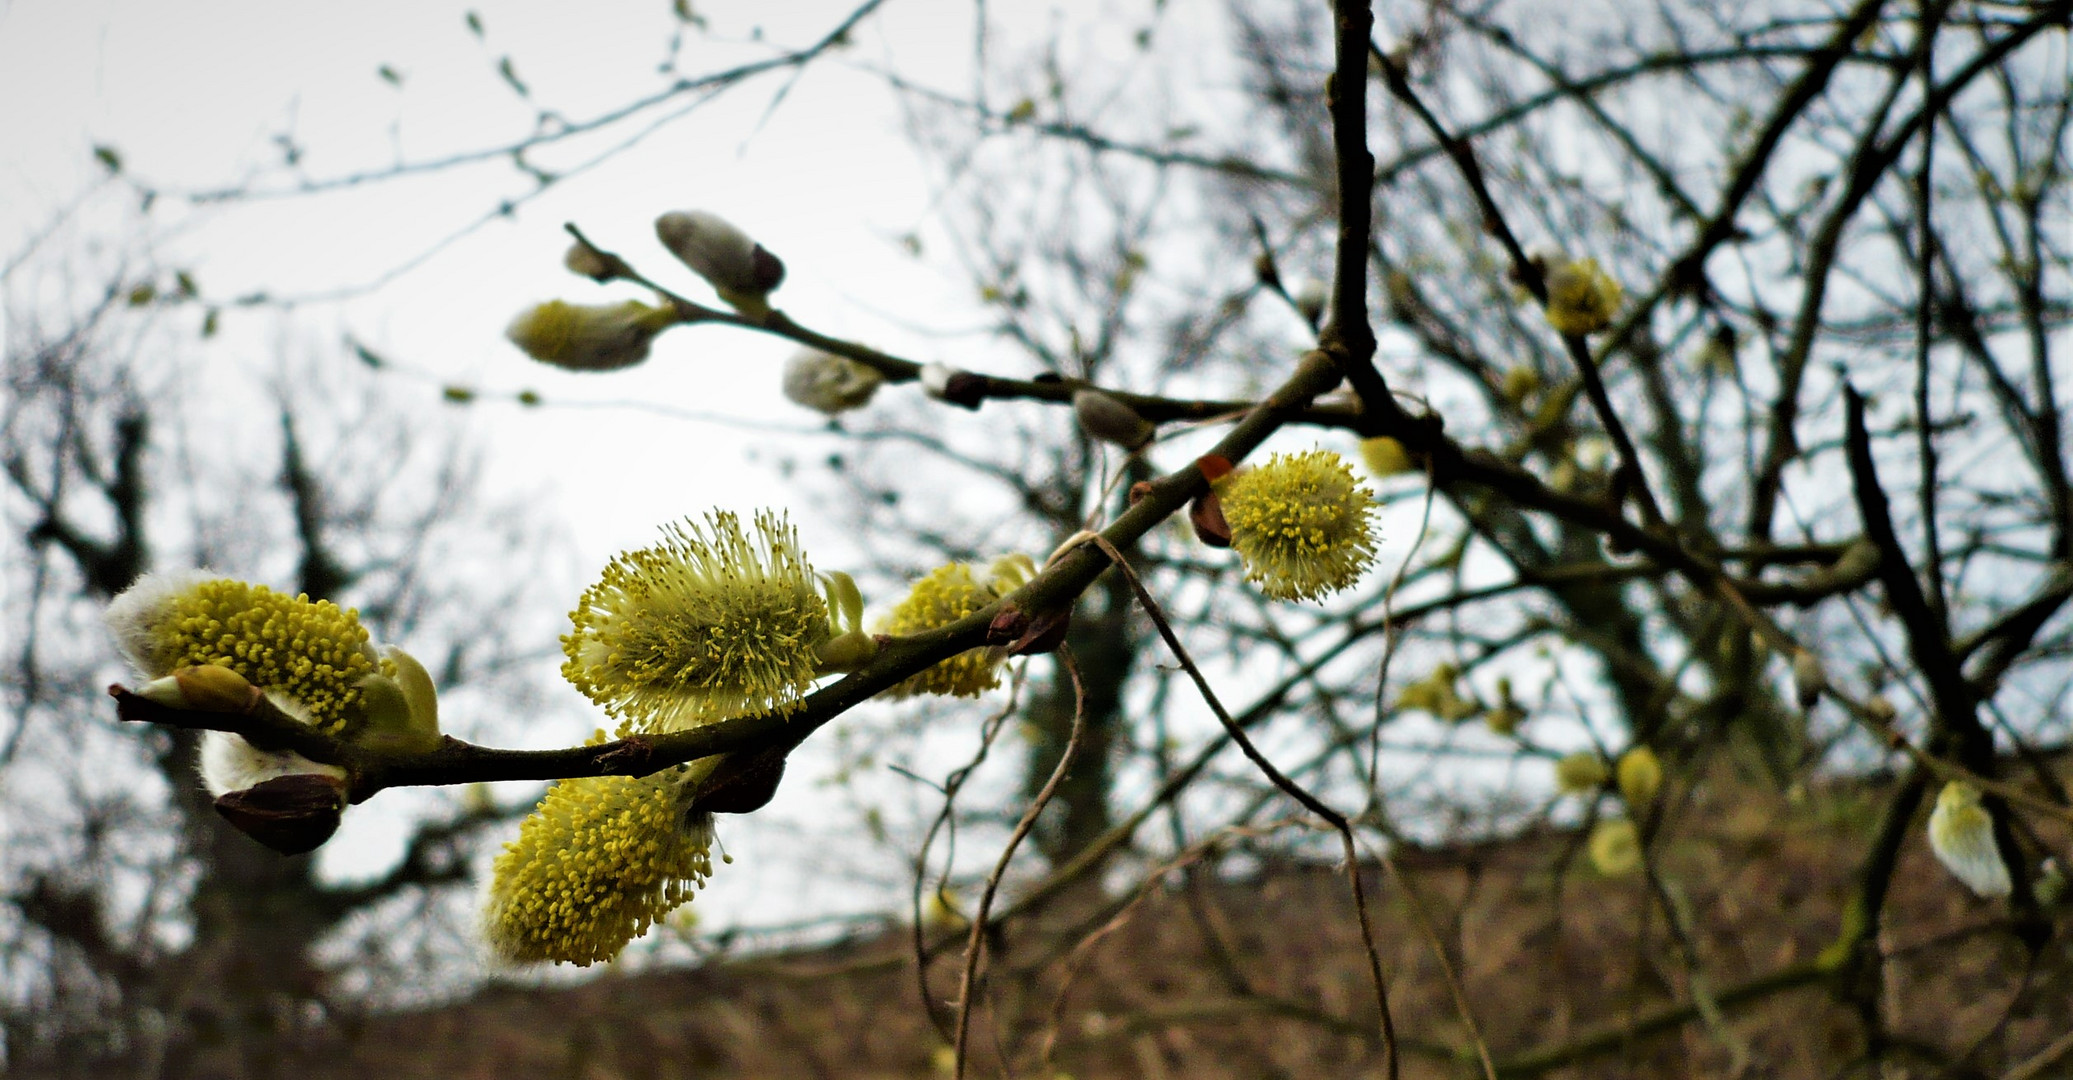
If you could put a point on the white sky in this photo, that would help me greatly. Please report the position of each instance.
(193, 96)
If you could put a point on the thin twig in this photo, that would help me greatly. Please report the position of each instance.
(2036, 1064)
(1085, 948)
(975, 943)
(1523, 269)
(952, 784)
(1295, 791)
(1421, 916)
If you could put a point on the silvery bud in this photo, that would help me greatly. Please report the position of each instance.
(827, 383)
(1310, 301)
(737, 267)
(1108, 419)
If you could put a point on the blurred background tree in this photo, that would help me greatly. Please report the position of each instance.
(140, 926)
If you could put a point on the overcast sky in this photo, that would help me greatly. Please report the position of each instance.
(195, 97)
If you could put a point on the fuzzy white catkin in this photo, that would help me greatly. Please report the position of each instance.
(229, 763)
(935, 379)
(1962, 835)
(827, 383)
(134, 616)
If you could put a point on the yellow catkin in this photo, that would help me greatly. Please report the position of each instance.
(1385, 456)
(311, 651)
(709, 624)
(947, 594)
(1582, 299)
(1615, 848)
(600, 860)
(1581, 772)
(1301, 524)
(1640, 775)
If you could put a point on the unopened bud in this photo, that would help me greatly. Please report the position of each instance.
(1007, 625)
(738, 268)
(1808, 678)
(1859, 562)
(596, 265)
(1043, 634)
(743, 783)
(827, 383)
(1206, 514)
(587, 337)
(944, 383)
(165, 691)
(1310, 300)
(1615, 848)
(290, 814)
(1104, 417)
(1582, 299)
(844, 653)
(1519, 383)
(1265, 271)
(2051, 883)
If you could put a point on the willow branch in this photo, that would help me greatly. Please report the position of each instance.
(456, 762)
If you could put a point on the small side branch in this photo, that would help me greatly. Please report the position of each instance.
(1280, 780)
